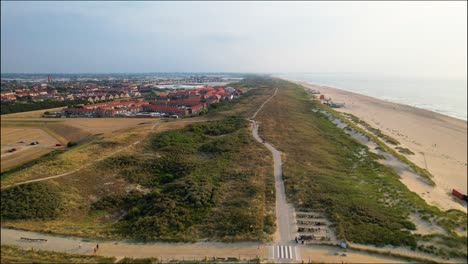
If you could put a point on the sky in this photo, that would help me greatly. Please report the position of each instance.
(424, 39)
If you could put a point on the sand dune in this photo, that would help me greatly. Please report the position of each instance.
(439, 142)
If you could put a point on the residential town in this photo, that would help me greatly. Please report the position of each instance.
(180, 103)
(98, 96)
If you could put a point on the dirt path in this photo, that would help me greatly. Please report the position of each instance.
(260, 108)
(156, 124)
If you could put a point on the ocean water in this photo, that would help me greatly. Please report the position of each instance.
(444, 96)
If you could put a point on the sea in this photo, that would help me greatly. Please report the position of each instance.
(444, 96)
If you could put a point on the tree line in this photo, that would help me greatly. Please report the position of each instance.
(10, 108)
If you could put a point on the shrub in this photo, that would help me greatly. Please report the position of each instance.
(71, 144)
(30, 201)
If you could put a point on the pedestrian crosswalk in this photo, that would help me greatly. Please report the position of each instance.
(283, 252)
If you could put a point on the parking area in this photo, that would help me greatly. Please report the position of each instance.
(19, 145)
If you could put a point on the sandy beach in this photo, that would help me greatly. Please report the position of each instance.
(438, 141)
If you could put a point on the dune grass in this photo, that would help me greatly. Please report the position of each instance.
(326, 169)
(208, 180)
(420, 171)
(377, 132)
(59, 162)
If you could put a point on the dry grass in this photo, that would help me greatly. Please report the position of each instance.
(74, 158)
(30, 114)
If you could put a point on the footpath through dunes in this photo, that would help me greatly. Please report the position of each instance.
(328, 173)
(285, 221)
(205, 181)
(285, 121)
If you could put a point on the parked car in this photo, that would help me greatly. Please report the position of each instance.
(58, 145)
(12, 150)
(34, 143)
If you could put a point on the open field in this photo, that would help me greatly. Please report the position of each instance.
(28, 125)
(20, 138)
(29, 114)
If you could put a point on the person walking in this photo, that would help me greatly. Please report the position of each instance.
(79, 245)
(97, 246)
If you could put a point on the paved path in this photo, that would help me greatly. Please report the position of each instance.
(121, 249)
(286, 228)
(285, 223)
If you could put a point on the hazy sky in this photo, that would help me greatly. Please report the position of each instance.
(412, 39)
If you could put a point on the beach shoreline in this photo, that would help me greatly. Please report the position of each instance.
(439, 142)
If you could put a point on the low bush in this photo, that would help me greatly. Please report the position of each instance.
(30, 201)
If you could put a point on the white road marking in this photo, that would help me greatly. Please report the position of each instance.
(283, 252)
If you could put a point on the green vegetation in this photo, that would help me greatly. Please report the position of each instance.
(206, 180)
(371, 129)
(255, 93)
(404, 150)
(31, 201)
(325, 169)
(422, 172)
(10, 108)
(14, 254)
